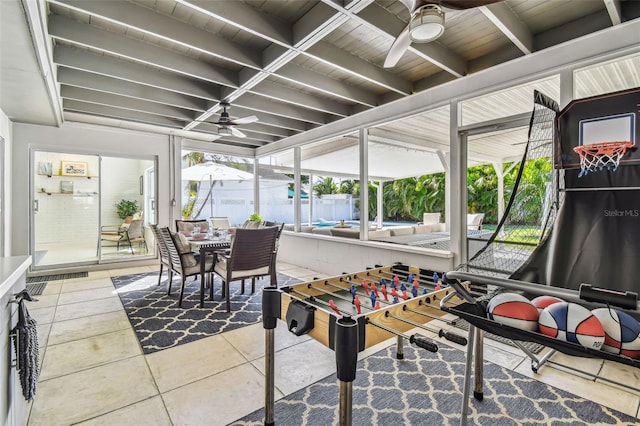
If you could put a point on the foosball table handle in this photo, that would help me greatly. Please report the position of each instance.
(461, 340)
(423, 343)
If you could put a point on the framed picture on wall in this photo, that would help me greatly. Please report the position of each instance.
(74, 168)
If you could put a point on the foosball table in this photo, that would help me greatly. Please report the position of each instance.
(352, 312)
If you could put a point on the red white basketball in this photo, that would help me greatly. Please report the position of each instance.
(514, 310)
(622, 332)
(572, 323)
(542, 302)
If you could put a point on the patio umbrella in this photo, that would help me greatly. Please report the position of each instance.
(214, 171)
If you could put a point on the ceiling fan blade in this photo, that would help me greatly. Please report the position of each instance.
(237, 133)
(245, 120)
(410, 4)
(466, 4)
(398, 48)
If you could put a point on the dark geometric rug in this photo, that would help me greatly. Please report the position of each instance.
(426, 389)
(160, 324)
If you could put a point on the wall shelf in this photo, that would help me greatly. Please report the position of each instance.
(65, 176)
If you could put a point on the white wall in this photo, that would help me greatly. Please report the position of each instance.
(81, 139)
(6, 133)
(334, 255)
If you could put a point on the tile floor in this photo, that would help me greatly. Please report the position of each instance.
(94, 372)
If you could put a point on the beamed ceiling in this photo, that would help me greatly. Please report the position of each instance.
(297, 65)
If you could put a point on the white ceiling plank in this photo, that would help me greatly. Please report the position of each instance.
(102, 83)
(322, 83)
(288, 95)
(118, 101)
(133, 72)
(260, 103)
(125, 114)
(353, 65)
(137, 51)
(164, 27)
(507, 22)
(246, 18)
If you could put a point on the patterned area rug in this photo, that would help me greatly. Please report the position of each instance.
(160, 324)
(426, 389)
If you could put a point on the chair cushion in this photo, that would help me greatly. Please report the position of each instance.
(195, 268)
(220, 268)
(187, 227)
(430, 218)
(184, 248)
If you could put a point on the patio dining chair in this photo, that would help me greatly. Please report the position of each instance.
(220, 222)
(165, 259)
(251, 256)
(182, 260)
(122, 234)
(186, 227)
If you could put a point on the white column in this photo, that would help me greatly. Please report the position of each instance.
(458, 187)
(380, 203)
(310, 199)
(566, 87)
(297, 207)
(363, 141)
(444, 160)
(256, 186)
(500, 174)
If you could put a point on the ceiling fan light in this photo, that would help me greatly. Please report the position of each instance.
(224, 131)
(427, 24)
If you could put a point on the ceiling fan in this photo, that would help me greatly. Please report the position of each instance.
(225, 123)
(425, 24)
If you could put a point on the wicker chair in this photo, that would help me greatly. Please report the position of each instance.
(182, 260)
(252, 254)
(165, 259)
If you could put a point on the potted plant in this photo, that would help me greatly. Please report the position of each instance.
(125, 209)
(255, 218)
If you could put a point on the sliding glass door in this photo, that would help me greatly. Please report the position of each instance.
(89, 209)
(127, 208)
(66, 209)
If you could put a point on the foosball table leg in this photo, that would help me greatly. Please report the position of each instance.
(467, 375)
(400, 347)
(346, 350)
(271, 306)
(478, 359)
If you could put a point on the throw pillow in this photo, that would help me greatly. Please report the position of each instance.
(184, 248)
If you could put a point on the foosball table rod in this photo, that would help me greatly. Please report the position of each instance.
(441, 333)
(416, 339)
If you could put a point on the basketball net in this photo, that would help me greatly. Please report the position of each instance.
(596, 156)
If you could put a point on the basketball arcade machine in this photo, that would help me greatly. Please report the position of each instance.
(590, 256)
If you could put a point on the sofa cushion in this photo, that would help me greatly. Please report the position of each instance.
(430, 218)
(402, 230)
(379, 233)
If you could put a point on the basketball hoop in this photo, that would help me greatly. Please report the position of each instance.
(596, 156)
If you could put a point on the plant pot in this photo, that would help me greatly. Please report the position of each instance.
(128, 219)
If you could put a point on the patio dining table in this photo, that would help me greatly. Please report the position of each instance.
(205, 246)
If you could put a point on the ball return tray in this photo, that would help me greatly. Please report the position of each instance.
(473, 310)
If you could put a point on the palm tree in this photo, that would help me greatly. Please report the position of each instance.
(325, 186)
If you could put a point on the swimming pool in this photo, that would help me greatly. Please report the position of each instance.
(356, 223)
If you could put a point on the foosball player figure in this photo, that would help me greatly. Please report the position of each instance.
(405, 295)
(414, 291)
(373, 299)
(395, 299)
(383, 290)
(333, 306)
(394, 292)
(365, 286)
(375, 308)
(438, 286)
(436, 278)
(396, 280)
(356, 302)
(416, 283)
(403, 287)
(424, 291)
(374, 289)
(353, 291)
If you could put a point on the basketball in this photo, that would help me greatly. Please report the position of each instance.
(514, 310)
(542, 302)
(622, 332)
(572, 323)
